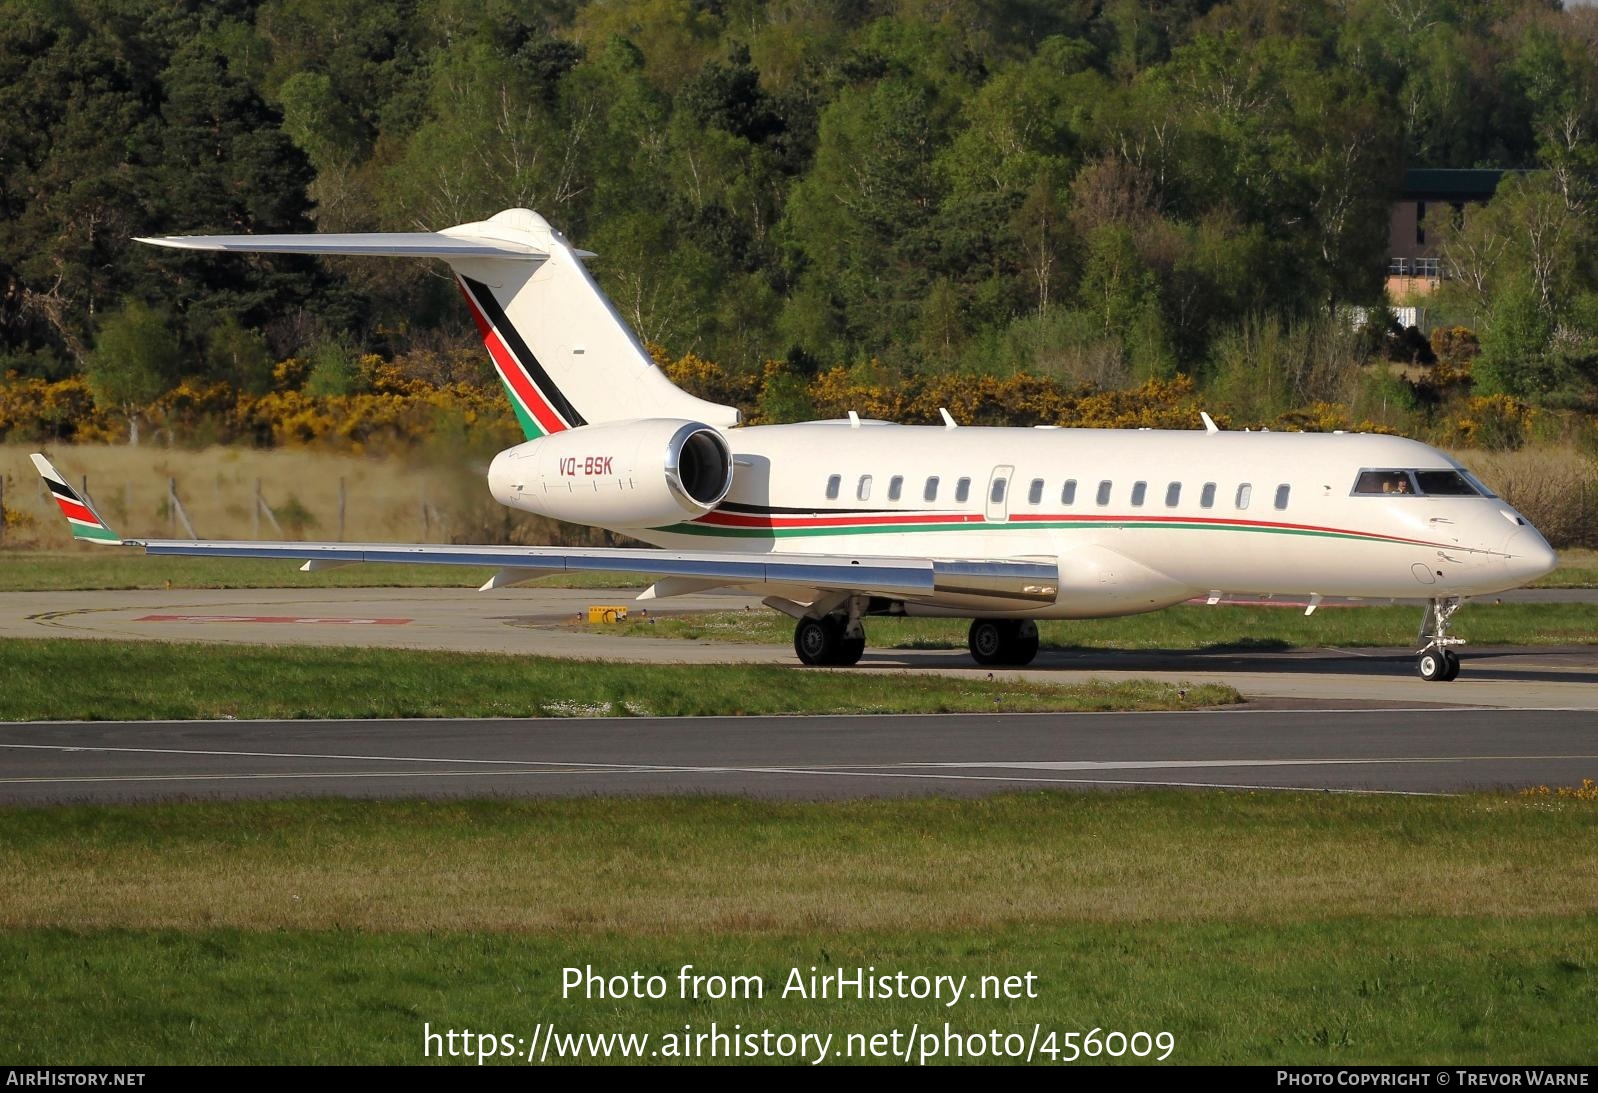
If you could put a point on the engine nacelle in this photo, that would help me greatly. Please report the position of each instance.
(623, 474)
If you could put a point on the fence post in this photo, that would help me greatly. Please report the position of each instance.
(177, 511)
(263, 509)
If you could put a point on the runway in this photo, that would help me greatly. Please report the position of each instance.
(810, 758)
(536, 622)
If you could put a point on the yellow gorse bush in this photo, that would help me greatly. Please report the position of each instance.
(394, 409)
(1587, 791)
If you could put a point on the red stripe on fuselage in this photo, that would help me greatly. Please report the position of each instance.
(1029, 517)
(759, 520)
(512, 371)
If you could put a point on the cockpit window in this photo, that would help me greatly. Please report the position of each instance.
(1445, 484)
(1417, 483)
(1379, 482)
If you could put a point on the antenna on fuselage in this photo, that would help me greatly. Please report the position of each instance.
(1209, 423)
(948, 420)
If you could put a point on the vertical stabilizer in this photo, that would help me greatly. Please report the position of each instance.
(564, 353)
(565, 356)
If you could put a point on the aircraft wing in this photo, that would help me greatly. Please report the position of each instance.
(998, 583)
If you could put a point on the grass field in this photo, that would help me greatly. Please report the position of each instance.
(1577, 569)
(1255, 928)
(139, 680)
(1181, 627)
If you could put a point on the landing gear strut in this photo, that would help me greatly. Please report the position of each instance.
(1010, 642)
(1438, 663)
(826, 642)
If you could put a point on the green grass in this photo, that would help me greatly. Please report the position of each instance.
(1578, 568)
(115, 680)
(109, 568)
(1181, 627)
(1258, 928)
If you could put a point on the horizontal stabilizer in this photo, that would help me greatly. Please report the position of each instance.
(379, 244)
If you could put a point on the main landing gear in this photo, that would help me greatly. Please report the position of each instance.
(838, 640)
(827, 643)
(1010, 642)
(1438, 663)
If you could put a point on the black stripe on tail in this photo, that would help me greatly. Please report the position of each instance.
(520, 350)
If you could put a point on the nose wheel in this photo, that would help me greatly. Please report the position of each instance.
(1439, 666)
(1437, 662)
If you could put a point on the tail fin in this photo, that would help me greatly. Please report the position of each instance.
(565, 356)
(81, 517)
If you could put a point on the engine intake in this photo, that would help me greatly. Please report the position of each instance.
(621, 475)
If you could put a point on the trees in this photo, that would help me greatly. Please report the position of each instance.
(1093, 190)
(135, 356)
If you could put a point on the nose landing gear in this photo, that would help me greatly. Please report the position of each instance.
(1437, 662)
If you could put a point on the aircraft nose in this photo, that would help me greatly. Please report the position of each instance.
(1529, 555)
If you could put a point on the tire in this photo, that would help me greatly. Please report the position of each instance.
(1452, 672)
(1025, 647)
(850, 651)
(1433, 667)
(816, 641)
(989, 640)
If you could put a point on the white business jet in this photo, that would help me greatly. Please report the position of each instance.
(833, 521)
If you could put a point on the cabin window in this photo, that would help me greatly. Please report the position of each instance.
(1068, 492)
(996, 491)
(1173, 495)
(832, 486)
(1034, 495)
(1139, 491)
(962, 490)
(1207, 496)
(1244, 492)
(864, 490)
(1104, 493)
(895, 487)
(931, 492)
(1281, 495)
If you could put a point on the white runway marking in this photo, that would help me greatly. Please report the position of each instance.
(944, 771)
(1018, 764)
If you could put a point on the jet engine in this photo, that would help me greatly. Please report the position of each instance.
(623, 474)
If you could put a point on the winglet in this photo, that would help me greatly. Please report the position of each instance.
(81, 517)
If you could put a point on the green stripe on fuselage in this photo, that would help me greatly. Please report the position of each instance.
(1077, 525)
